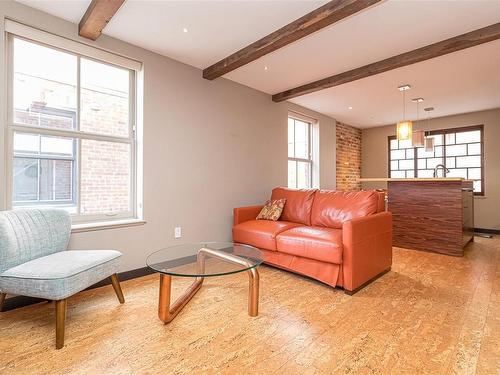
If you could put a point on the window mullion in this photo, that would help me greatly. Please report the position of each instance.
(76, 175)
(69, 134)
(415, 161)
(53, 180)
(296, 174)
(39, 165)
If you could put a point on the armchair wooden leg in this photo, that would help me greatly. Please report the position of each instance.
(2, 300)
(60, 322)
(117, 288)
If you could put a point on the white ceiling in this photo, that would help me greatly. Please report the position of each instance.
(461, 82)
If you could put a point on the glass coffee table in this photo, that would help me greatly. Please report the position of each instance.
(200, 260)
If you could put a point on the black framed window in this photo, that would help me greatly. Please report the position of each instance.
(460, 149)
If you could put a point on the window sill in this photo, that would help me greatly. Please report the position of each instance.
(90, 227)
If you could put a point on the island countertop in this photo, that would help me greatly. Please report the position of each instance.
(437, 179)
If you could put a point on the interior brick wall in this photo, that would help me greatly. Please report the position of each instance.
(348, 157)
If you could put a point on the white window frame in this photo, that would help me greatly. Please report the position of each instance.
(311, 148)
(15, 30)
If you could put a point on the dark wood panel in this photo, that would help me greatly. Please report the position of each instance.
(427, 215)
(457, 43)
(324, 16)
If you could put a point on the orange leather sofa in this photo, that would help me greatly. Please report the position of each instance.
(340, 238)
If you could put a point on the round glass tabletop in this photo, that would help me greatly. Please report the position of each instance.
(204, 259)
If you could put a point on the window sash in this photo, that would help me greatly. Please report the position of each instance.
(309, 150)
(444, 157)
(13, 127)
(52, 202)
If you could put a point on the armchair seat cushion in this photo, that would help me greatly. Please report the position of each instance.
(60, 275)
(260, 233)
(318, 243)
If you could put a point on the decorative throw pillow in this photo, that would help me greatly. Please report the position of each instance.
(272, 210)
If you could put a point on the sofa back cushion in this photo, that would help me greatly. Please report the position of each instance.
(27, 234)
(332, 208)
(381, 200)
(298, 204)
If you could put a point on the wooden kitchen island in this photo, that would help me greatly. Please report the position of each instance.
(431, 214)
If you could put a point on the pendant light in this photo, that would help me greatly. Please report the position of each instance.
(429, 141)
(418, 137)
(404, 128)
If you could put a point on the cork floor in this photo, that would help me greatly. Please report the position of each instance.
(432, 314)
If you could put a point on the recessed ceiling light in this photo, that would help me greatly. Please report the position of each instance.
(265, 68)
(349, 108)
(185, 30)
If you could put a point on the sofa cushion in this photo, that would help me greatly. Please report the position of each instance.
(298, 204)
(260, 233)
(319, 243)
(60, 275)
(332, 208)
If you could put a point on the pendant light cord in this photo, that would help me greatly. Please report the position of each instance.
(416, 123)
(404, 105)
(428, 120)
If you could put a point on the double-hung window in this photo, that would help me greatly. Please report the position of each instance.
(461, 150)
(72, 132)
(300, 162)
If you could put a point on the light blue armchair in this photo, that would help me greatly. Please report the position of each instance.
(34, 261)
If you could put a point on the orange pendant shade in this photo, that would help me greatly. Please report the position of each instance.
(404, 130)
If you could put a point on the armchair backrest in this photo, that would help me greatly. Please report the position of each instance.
(27, 234)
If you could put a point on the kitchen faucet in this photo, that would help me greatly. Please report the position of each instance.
(443, 167)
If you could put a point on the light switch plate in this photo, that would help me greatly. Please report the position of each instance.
(177, 232)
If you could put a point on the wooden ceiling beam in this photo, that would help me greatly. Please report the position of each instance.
(97, 16)
(457, 43)
(324, 16)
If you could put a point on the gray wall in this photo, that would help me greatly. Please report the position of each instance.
(487, 214)
(208, 147)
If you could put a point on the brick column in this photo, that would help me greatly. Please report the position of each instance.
(348, 157)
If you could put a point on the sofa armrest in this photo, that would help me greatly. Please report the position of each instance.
(242, 214)
(367, 249)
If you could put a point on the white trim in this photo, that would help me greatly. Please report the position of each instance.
(38, 35)
(134, 213)
(78, 166)
(311, 124)
(315, 155)
(301, 117)
(69, 134)
(139, 143)
(90, 227)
